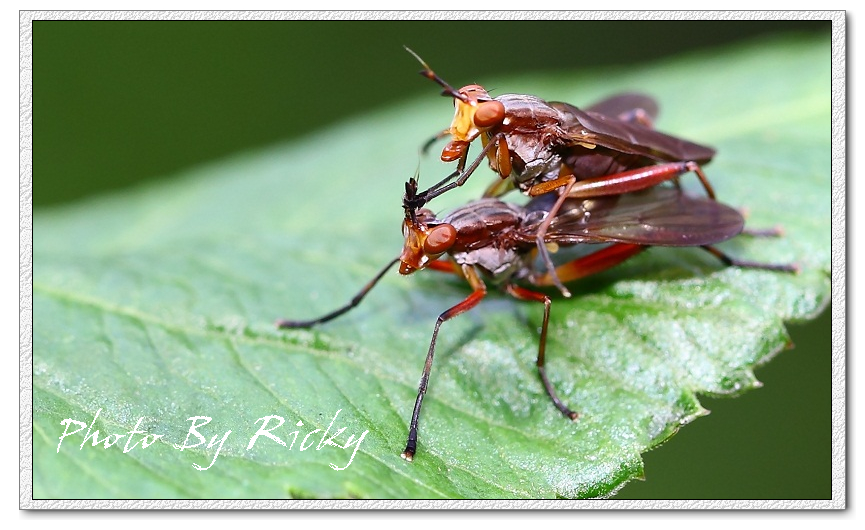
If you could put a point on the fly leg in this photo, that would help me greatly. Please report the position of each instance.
(566, 183)
(462, 173)
(775, 231)
(525, 294)
(745, 264)
(444, 265)
(479, 291)
(636, 180)
(283, 323)
(593, 263)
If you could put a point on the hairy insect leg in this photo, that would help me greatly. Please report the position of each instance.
(283, 323)
(434, 191)
(745, 264)
(593, 263)
(636, 180)
(525, 294)
(479, 291)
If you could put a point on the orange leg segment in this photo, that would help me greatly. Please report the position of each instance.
(470, 301)
(593, 263)
(443, 265)
(637, 179)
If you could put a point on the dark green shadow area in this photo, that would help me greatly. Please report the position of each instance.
(713, 458)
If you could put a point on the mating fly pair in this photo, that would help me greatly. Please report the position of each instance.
(592, 175)
(489, 239)
(538, 147)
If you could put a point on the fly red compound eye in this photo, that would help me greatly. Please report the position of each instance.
(440, 239)
(489, 114)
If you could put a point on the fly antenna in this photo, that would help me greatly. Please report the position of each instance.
(429, 74)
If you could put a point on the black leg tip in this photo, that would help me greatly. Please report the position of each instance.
(291, 324)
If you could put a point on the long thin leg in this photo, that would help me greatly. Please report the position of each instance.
(593, 263)
(283, 323)
(540, 238)
(471, 300)
(525, 294)
(615, 184)
(634, 180)
(745, 264)
(775, 231)
(612, 255)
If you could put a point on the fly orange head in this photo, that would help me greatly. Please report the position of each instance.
(474, 112)
(424, 243)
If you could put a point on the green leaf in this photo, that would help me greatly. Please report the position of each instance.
(158, 304)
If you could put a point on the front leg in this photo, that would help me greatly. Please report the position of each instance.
(461, 176)
(479, 291)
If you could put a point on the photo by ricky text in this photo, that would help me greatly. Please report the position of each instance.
(267, 428)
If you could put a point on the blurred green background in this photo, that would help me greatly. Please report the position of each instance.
(116, 103)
